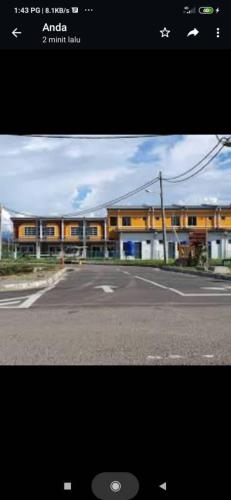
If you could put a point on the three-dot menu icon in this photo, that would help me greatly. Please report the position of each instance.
(67, 486)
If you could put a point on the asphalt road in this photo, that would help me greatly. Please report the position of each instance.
(118, 315)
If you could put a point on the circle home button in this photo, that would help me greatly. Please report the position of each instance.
(115, 485)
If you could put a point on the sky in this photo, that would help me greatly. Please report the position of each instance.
(48, 176)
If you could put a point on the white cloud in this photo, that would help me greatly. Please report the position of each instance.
(45, 176)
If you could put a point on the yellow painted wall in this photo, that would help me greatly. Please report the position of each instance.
(137, 223)
(57, 234)
(100, 235)
(203, 220)
(67, 230)
(227, 222)
(20, 233)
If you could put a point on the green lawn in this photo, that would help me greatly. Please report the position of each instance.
(11, 267)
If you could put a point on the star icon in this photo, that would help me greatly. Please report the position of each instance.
(165, 33)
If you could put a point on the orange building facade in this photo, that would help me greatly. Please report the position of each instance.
(141, 224)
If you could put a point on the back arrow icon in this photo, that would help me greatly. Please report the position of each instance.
(16, 33)
(194, 32)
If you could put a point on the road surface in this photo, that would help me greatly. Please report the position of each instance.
(109, 315)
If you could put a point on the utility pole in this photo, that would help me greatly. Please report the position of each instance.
(0, 231)
(163, 219)
(206, 243)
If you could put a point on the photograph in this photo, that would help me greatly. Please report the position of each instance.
(115, 249)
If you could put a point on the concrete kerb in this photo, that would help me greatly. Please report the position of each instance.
(27, 285)
(206, 274)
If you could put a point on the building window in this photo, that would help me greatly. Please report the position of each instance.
(175, 220)
(49, 231)
(92, 231)
(30, 231)
(229, 242)
(223, 217)
(126, 221)
(157, 218)
(144, 219)
(218, 242)
(148, 242)
(211, 217)
(76, 231)
(161, 242)
(183, 242)
(113, 221)
(192, 220)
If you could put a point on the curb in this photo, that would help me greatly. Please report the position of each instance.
(196, 273)
(32, 284)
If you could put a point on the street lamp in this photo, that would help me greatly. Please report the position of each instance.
(163, 216)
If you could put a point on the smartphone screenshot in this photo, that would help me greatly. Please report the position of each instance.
(99, 24)
(115, 249)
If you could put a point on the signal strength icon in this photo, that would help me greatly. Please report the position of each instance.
(188, 10)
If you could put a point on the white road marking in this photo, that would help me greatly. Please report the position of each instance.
(152, 282)
(32, 298)
(107, 288)
(207, 295)
(178, 292)
(212, 288)
(125, 272)
(178, 356)
(12, 299)
(154, 357)
(12, 303)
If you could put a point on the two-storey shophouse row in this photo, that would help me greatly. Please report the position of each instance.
(53, 236)
(142, 225)
(139, 224)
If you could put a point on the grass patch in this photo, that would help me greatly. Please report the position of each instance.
(11, 268)
(135, 262)
(7, 270)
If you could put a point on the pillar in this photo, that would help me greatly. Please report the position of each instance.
(15, 251)
(62, 229)
(105, 240)
(37, 240)
(38, 253)
(84, 254)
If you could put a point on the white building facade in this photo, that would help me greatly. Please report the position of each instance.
(150, 245)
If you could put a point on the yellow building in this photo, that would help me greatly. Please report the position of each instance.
(54, 235)
(142, 225)
(139, 224)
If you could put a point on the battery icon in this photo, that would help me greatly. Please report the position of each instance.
(206, 10)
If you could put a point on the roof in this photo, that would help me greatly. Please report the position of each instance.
(169, 207)
(35, 217)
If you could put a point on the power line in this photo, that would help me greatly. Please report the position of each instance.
(224, 140)
(93, 137)
(200, 169)
(116, 200)
(194, 166)
(18, 212)
(97, 207)
(139, 188)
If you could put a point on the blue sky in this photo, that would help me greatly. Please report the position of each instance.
(55, 176)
